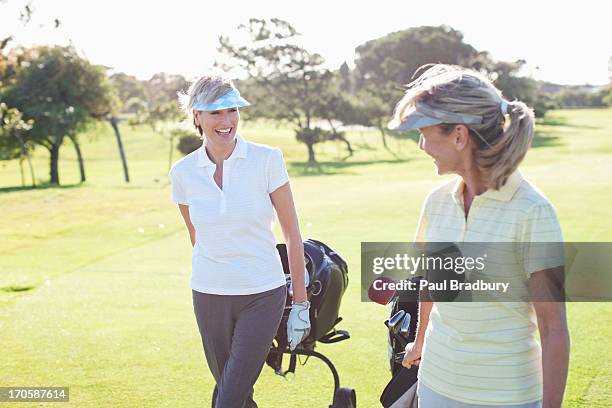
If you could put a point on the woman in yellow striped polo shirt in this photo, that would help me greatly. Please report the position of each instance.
(484, 354)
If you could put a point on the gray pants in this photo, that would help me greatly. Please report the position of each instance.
(428, 398)
(237, 331)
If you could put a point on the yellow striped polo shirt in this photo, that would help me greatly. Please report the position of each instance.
(486, 352)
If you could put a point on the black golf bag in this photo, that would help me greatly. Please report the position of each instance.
(403, 306)
(328, 276)
(328, 280)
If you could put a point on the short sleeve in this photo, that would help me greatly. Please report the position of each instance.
(541, 239)
(276, 171)
(178, 194)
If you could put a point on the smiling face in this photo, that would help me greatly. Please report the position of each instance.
(218, 126)
(446, 149)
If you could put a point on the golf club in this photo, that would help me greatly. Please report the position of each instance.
(405, 326)
(394, 323)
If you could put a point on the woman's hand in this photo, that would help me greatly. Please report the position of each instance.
(412, 355)
(298, 324)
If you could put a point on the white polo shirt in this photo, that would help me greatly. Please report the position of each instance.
(486, 353)
(235, 250)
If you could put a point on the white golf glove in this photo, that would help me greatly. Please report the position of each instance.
(298, 324)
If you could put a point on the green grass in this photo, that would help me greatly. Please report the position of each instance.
(94, 278)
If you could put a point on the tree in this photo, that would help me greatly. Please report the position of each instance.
(113, 119)
(396, 57)
(608, 88)
(131, 94)
(152, 102)
(13, 144)
(608, 95)
(346, 78)
(505, 77)
(369, 108)
(335, 106)
(162, 88)
(285, 81)
(10, 64)
(12, 127)
(61, 92)
(130, 90)
(384, 65)
(579, 98)
(163, 119)
(188, 142)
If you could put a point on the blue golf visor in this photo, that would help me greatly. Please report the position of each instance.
(232, 99)
(421, 115)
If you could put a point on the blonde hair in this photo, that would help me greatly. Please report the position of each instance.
(500, 148)
(205, 89)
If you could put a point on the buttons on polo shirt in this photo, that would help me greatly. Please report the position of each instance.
(226, 185)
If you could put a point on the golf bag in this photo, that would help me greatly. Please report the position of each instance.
(328, 280)
(400, 391)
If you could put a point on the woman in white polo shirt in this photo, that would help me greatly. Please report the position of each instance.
(227, 192)
(484, 354)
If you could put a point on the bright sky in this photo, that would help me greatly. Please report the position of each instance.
(563, 42)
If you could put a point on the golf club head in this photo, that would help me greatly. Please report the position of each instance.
(405, 326)
(395, 321)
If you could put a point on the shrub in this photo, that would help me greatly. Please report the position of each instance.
(188, 143)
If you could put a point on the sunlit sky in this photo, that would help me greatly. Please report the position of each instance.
(562, 42)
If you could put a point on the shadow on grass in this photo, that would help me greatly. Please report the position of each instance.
(301, 169)
(363, 146)
(561, 122)
(17, 288)
(43, 186)
(541, 139)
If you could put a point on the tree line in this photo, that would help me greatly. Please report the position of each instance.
(50, 94)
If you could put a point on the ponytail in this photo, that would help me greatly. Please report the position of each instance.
(504, 154)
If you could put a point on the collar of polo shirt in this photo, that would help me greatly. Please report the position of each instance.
(240, 151)
(503, 194)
